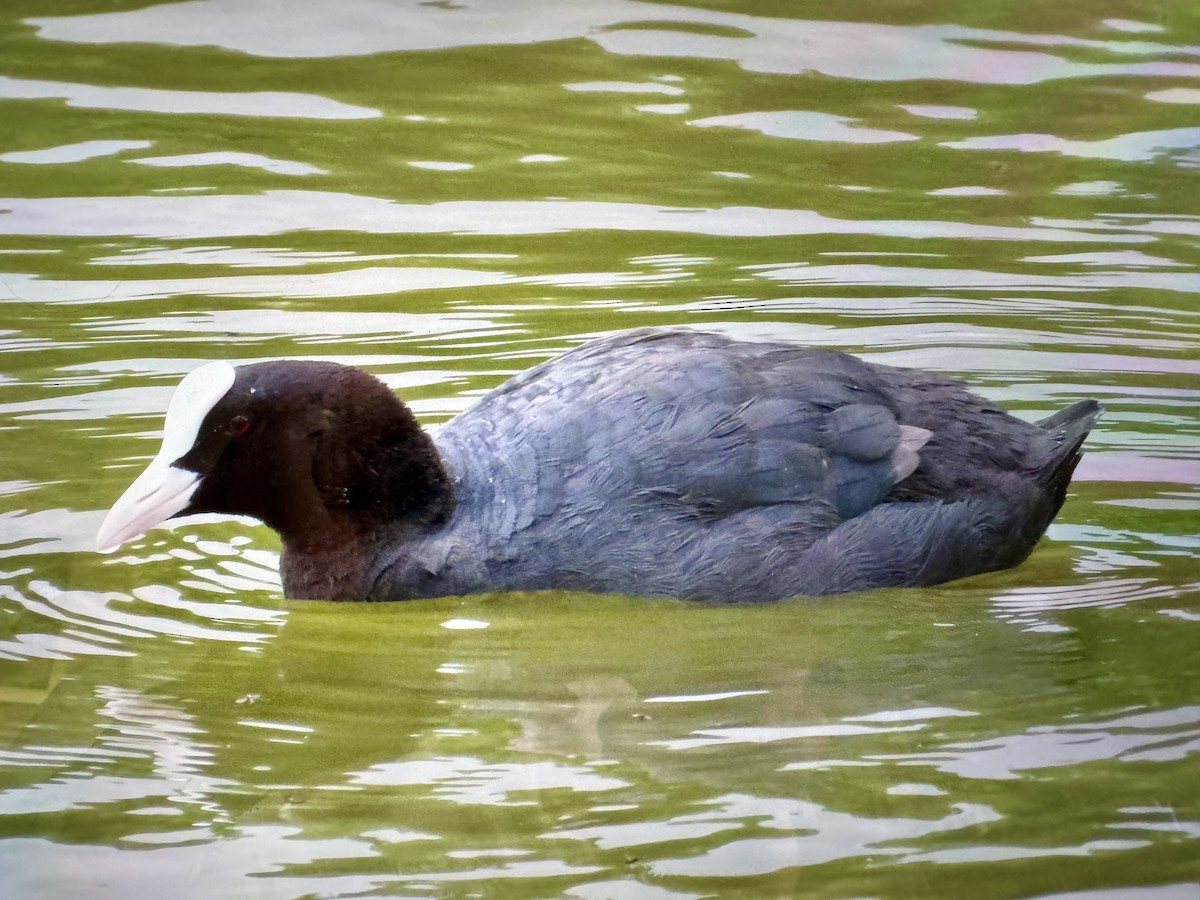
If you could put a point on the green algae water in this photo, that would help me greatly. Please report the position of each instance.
(447, 193)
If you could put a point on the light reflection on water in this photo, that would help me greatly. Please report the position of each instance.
(761, 44)
(1167, 735)
(1010, 202)
(281, 211)
(272, 103)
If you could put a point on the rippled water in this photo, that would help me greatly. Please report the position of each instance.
(445, 193)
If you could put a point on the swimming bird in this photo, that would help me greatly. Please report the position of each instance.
(647, 462)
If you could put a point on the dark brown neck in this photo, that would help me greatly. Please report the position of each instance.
(345, 564)
(359, 512)
(336, 571)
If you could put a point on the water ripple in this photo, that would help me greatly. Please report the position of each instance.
(1164, 735)
(472, 781)
(757, 43)
(135, 99)
(811, 834)
(279, 212)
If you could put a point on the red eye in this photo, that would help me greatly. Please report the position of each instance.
(238, 426)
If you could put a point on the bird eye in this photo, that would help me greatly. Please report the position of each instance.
(238, 426)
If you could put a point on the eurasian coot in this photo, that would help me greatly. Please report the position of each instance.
(647, 462)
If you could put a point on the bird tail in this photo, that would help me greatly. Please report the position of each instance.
(1067, 428)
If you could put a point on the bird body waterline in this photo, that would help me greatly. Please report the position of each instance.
(648, 462)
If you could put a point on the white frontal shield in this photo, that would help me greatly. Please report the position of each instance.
(163, 489)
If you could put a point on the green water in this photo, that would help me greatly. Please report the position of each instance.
(445, 193)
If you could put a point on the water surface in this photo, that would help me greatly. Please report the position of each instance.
(445, 194)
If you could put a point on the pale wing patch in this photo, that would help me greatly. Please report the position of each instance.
(905, 457)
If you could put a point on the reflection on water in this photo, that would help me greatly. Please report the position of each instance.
(807, 126)
(447, 193)
(273, 103)
(786, 46)
(811, 835)
(1138, 147)
(281, 211)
